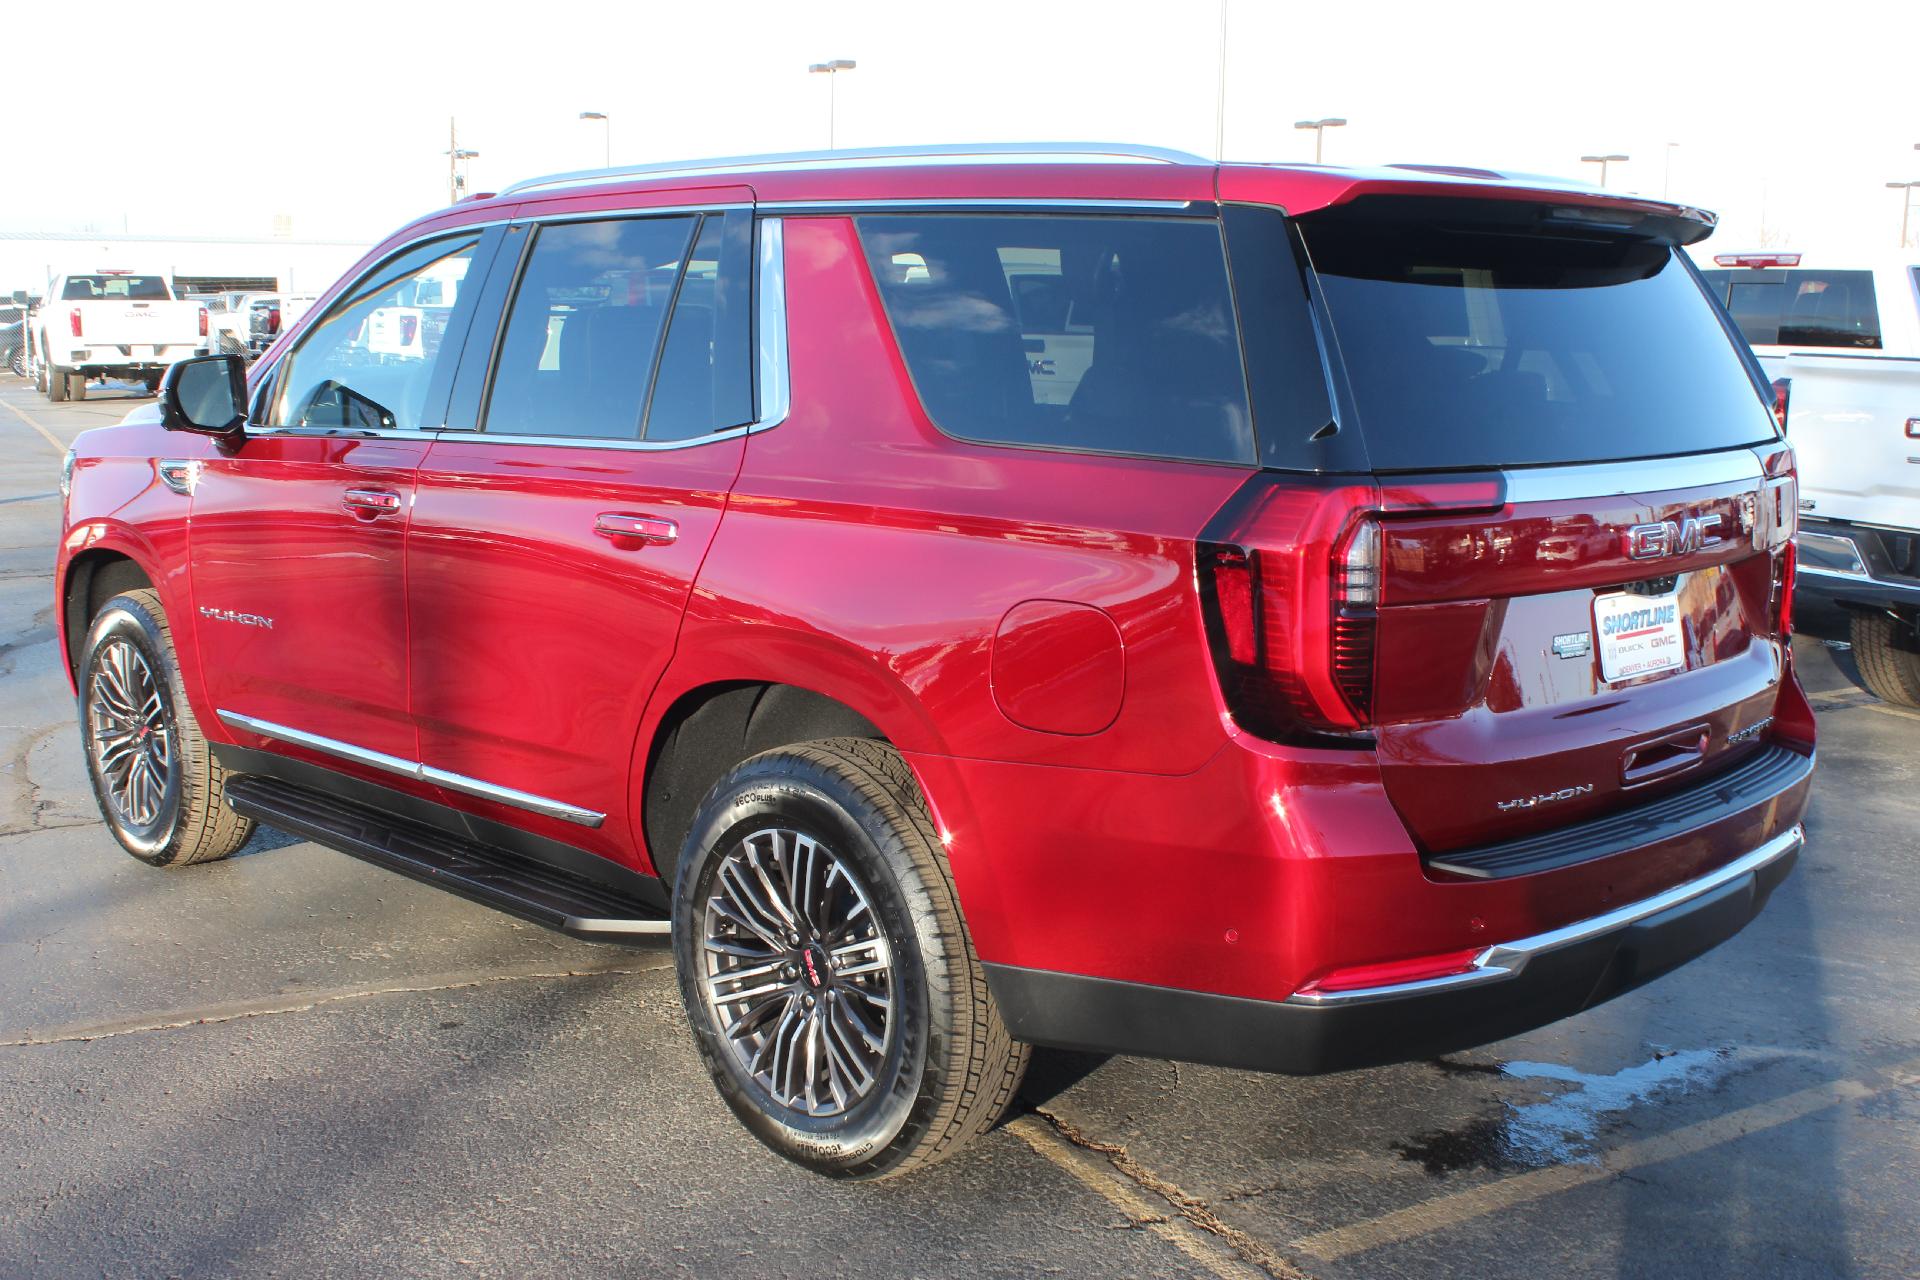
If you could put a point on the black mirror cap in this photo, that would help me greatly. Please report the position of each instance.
(205, 394)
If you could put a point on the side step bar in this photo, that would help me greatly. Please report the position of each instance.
(489, 876)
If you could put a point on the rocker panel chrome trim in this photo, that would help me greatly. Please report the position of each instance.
(414, 769)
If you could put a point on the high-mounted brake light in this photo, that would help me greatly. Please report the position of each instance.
(73, 321)
(203, 322)
(1782, 393)
(1756, 260)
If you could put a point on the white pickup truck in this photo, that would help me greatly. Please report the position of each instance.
(1841, 344)
(115, 324)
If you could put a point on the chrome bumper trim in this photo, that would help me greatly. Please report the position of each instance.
(415, 770)
(1505, 960)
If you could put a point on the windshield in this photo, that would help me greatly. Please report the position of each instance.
(137, 288)
(1482, 347)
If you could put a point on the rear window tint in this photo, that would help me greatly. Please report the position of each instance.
(1469, 346)
(137, 288)
(1799, 308)
(1096, 334)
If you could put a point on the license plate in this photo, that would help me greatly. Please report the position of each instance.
(1638, 635)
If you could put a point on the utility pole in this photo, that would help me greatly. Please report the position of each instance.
(1906, 205)
(455, 182)
(1220, 99)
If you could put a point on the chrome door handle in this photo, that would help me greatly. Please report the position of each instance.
(371, 502)
(622, 528)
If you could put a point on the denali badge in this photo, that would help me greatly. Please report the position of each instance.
(1575, 644)
(229, 615)
(1533, 802)
(1671, 538)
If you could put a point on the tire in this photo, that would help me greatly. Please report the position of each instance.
(17, 361)
(40, 378)
(1888, 655)
(153, 384)
(945, 1067)
(76, 385)
(177, 814)
(58, 383)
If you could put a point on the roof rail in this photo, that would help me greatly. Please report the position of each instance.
(875, 157)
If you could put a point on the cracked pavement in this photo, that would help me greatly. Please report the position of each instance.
(291, 1063)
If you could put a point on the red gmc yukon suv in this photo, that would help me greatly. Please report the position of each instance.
(1287, 618)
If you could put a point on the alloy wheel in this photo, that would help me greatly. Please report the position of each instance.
(129, 733)
(798, 974)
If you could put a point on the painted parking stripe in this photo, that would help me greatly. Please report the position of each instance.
(1464, 1206)
(45, 434)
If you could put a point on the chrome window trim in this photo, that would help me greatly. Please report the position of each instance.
(773, 387)
(1506, 959)
(1640, 475)
(414, 769)
(532, 217)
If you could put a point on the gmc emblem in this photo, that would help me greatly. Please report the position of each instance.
(1668, 538)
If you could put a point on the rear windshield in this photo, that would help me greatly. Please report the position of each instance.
(1480, 347)
(1110, 334)
(139, 288)
(1800, 308)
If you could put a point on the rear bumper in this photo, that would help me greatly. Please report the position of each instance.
(1511, 987)
(1858, 564)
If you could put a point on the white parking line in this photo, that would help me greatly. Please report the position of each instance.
(1464, 1206)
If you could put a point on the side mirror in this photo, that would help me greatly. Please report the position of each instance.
(207, 394)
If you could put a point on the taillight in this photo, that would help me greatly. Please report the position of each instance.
(409, 326)
(73, 321)
(1779, 520)
(203, 322)
(1782, 391)
(1784, 565)
(273, 320)
(1290, 581)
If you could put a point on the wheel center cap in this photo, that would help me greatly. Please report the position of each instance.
(813, 960)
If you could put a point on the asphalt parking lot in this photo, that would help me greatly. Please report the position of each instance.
(292, 1063)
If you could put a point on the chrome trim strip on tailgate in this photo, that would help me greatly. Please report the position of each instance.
(416, 770)
(1506, 959)
(1642, 475)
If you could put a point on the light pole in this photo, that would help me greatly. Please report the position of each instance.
(1603, 162)
(455, 181)
(1319, 128)
(830, 70)
(1906, 204)
(606, 134)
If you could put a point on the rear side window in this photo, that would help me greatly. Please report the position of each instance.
(1480, 346)
(1800, 308)
(585, 328)
(1094, 334)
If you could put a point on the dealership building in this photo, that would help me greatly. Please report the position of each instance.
(196, 264)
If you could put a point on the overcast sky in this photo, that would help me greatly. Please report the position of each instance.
(1789, 118)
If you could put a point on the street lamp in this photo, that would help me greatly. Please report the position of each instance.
(1319, 128)
(1603, 162)
(831, 70)
(1906, 202)
(606, 133)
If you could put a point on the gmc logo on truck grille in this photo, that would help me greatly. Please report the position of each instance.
(1671, 538)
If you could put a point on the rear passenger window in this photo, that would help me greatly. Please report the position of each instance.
(585, 327)
(1800, 308)
(1096, 334)
(704, 384)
